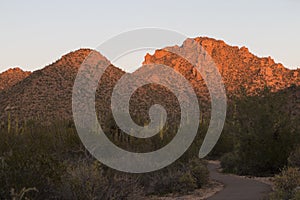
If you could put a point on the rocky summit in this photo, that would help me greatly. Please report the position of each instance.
(11, 77)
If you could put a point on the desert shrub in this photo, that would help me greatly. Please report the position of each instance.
(294, 158)
(230, 162)
(265, 153)
(225, 144)
(296, 195)
(286, 184)
(123, 187)
(187, 183)
(28, 170)
(52, 160)
(32, 158)
(265, 135)
(180, 177)
(19, 195)
(88, 179)
(199, 172)
(166, 183)
(173, 182)
(83, 180)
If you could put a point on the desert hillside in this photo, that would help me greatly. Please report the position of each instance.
(46, 94)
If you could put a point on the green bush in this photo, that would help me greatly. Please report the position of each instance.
(49, 162)
(163, 184)
(173, 182)
(199, 172)
(264, 135)
(296, 195)
(286, 184)
(186, 183)
(230, 162)
(225, 144)
(83, 180)
(180, 177)
(294, 158)
(28, 170)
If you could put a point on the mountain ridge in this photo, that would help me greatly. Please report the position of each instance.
(46, 94)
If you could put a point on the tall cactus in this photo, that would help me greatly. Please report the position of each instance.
(24, 126)
(8, 123)
(17, 126)
(161, 127)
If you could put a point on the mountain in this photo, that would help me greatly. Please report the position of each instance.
(46, 94)
(11, 77)
(239, 68)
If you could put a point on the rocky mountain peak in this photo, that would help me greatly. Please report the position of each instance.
(11, 77)
(239, 68)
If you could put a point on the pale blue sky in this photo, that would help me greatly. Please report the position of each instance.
(36, 33)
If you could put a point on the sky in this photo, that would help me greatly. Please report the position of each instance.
(36, 33)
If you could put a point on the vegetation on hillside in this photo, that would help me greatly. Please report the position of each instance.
(49, 162)
(260, 137)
